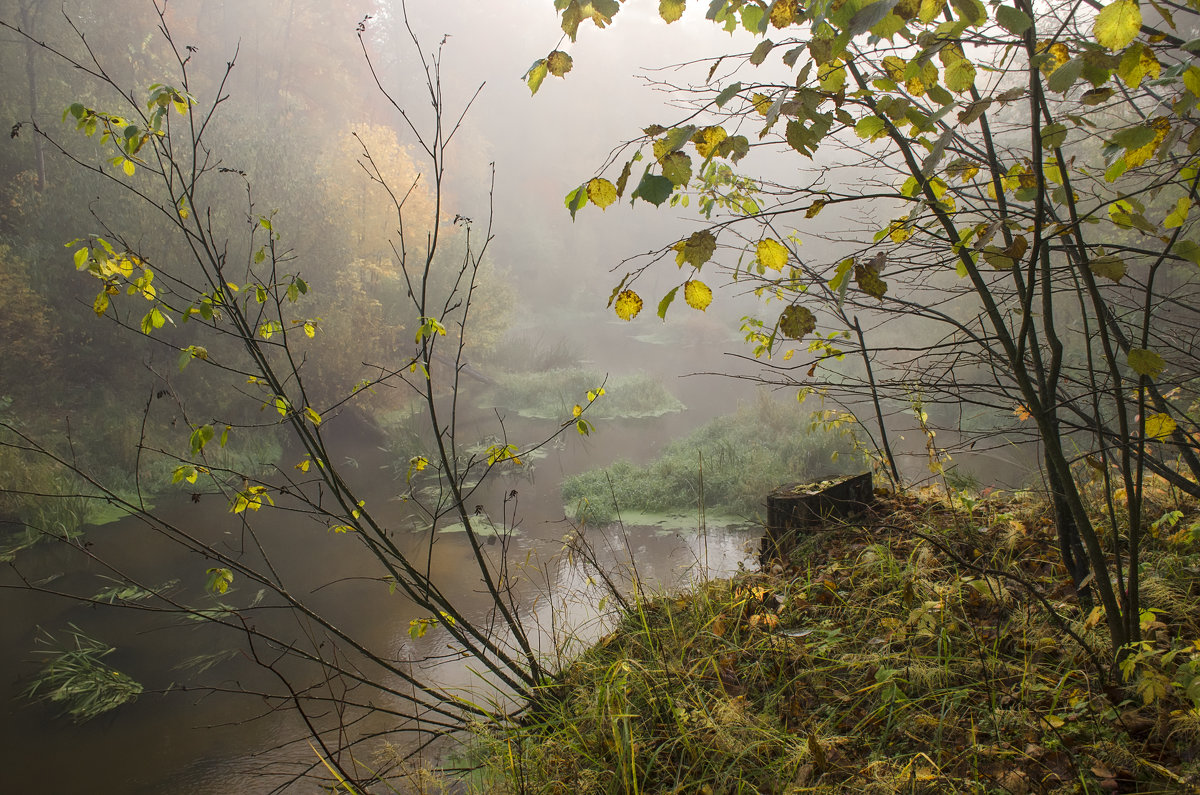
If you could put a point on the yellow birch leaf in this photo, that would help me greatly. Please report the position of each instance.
(1179, 214)
(1159, 426)
(671, 10)
(1117, 24)
(771, 254)
(558, 63)
(601, 192)
(628, 305)
(697, 294)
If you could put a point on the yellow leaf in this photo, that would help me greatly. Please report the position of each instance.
(1159, 426)
(575, 412)
(671, 10)
(1022, 412)
(601, 192)
(129, 167)
(697, 294)
(628, 305)
(1179, 214)
(706, 139)
(771, 254)
(1117, 24)
(312, 415)
(558, 63)
(784, 13)
(1147, 363)
(1137, 64)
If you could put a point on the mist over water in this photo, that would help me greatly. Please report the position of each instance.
(299, 92)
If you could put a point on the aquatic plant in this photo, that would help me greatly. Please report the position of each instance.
(75, 677)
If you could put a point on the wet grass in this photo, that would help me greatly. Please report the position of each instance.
(762, 445)
(886, 655)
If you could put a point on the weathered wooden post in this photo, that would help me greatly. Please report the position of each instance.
(797, 509)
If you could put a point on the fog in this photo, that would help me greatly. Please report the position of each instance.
(299, 92)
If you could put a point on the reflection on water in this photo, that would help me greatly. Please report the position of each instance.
(180, 740)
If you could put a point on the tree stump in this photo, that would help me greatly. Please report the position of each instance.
(797, 509)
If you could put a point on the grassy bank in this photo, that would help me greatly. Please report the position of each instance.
(903, 652)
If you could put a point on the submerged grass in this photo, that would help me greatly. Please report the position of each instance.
(762, 445)
(885, 656)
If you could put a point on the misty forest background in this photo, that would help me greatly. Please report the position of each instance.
(405, 401)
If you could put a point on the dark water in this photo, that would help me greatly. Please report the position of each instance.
(176, 740)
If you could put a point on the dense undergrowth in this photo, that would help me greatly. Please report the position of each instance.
(908, 651)
(744, 455)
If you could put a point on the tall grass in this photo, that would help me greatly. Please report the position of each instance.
(763, 445)
(886, 657)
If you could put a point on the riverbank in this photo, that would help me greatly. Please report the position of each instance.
(907, 651)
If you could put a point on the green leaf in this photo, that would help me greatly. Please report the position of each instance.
(869, 16)
(1013, 20)
(1134, 137)
(796, 321)
(1191, 80)
(576, 199)
(1118, 24)
(1147, 363)
(761, 51)
(654, 189)
(696, 250)
(1096, 96)
(1108, 266)
(677, 167)
(1188, 250)
(665, 303)
(867, 276)
(200, 437)
(870, 127)
(1054, 135)
(727, 93)
(959, 75)
(219, 580)
(841, 279)
(1065, 76)
(536, 74)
